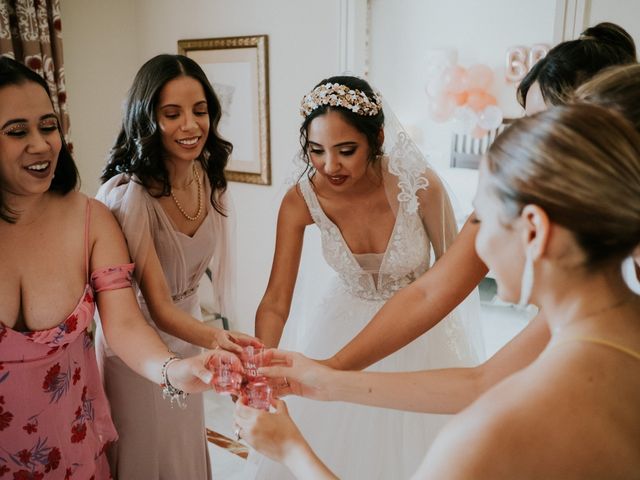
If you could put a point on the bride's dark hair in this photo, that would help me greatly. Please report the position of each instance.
(368, 125)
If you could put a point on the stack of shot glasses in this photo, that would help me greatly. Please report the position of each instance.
(251, 386)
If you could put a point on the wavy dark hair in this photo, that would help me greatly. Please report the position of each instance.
(571, 63)
(370, 126)
(138, 148)
(66, 176)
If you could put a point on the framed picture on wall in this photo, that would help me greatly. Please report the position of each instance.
(237, 68)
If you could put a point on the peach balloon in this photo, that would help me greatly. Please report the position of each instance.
(461, 98)
(478, 100)
(480, 77)
(455, 79)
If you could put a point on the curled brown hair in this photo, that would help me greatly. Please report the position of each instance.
(581, 164)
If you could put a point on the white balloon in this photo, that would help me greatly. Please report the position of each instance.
(490, 118)
(435, 86)
(465, 119)
(437, 60)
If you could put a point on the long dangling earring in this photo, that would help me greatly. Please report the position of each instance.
(526, 283)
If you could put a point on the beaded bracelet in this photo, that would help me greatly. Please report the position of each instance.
(174, 394)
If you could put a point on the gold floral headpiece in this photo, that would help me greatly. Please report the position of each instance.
(336, 95)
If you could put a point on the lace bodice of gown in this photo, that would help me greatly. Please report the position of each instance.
(405, 259)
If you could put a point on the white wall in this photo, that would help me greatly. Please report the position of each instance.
(625, 13)
(100, 59)
(105, 43)
(403, 33)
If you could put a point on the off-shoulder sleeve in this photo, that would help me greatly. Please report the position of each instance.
(113, 277)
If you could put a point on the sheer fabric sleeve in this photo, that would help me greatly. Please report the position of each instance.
(436, 213)
(223, 262)
(410, 180)
(128, 201)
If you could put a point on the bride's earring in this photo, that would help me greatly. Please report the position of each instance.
(526, 283)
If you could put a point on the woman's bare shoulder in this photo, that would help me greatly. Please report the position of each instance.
(294, 206)
(530, 425)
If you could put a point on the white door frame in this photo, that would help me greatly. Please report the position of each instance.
(572, 17)
(353, 41)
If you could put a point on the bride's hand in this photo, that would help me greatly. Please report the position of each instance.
(293, 373)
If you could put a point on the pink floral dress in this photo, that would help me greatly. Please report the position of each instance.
(54, 416)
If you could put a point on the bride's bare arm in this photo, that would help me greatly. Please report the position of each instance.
(417, 308)
(273, 310)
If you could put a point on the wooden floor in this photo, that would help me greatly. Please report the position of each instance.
(227, 443)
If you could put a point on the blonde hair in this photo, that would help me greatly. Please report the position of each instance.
(581, 164)
(617, 88)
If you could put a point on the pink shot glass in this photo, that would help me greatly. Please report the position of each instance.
(252, 359)
(258, 395)
(227, 380)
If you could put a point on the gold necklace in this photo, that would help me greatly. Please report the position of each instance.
(175, 200)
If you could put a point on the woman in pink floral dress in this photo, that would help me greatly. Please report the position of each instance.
(54, 416)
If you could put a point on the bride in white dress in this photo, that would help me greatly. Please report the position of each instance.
(383, 219)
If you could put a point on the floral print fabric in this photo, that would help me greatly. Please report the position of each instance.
(54, 416)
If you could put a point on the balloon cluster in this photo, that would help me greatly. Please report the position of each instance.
(462, 94)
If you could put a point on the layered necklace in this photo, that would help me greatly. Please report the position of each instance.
(196, 176)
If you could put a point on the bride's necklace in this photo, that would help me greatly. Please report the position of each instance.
(175, 200)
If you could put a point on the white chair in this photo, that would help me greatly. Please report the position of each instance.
(466, 151)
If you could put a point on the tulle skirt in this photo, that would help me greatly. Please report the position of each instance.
(361, 442)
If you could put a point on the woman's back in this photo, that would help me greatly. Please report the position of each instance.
(571, 414)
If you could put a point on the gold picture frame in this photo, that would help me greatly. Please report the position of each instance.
(237, 67)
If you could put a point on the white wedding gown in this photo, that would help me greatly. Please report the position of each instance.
(361, 442)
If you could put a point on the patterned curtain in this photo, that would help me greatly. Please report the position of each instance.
(31, 32)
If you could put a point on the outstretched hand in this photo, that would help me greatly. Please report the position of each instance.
(274, 434)
(195, 374)
(293, 373)
(235, 341)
